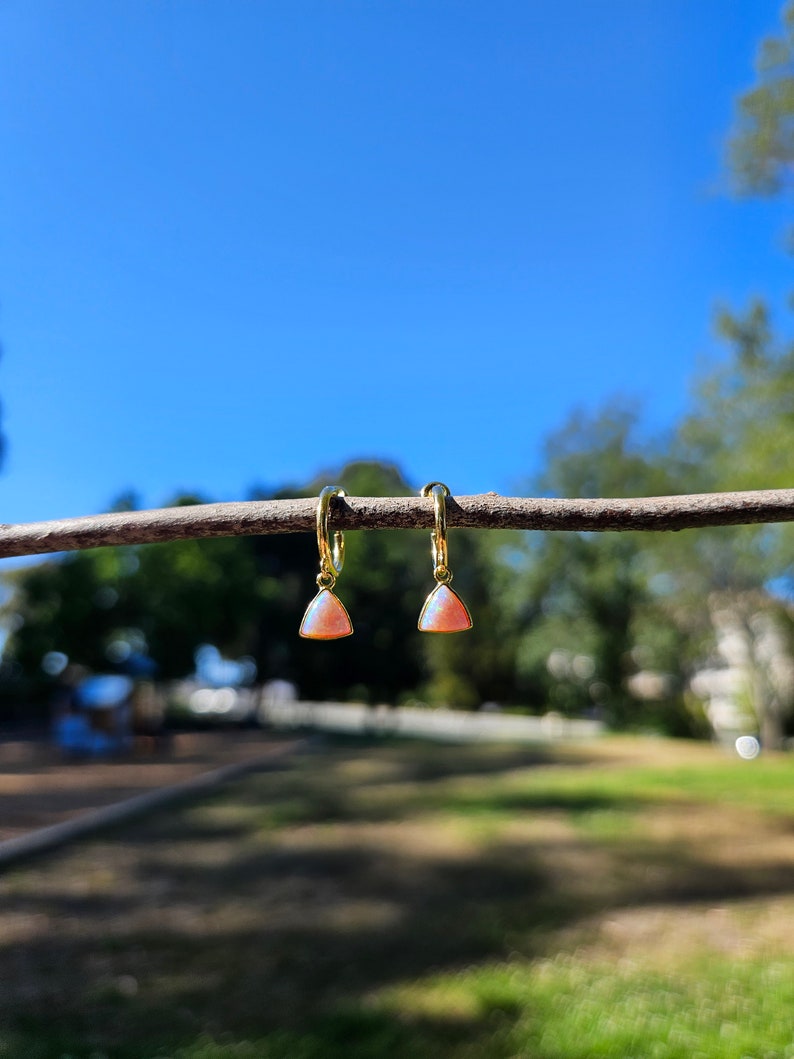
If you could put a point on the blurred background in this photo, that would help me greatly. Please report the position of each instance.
(252, 249)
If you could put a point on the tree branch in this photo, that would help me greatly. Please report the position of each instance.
(487, 511)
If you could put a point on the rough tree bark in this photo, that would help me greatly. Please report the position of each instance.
(485, 511)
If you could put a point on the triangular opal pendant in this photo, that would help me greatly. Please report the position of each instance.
(444, 611)
(325, 618)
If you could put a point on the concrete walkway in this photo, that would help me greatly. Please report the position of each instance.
(46, 800)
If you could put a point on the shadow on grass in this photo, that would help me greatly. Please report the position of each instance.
(265, 917)
(337, 925)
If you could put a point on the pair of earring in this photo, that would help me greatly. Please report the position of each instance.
(326, 617)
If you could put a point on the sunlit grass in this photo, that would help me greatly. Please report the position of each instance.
(571, 1007)
(629, 898)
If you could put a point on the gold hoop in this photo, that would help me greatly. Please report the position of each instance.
(438, 537)
(331, 559)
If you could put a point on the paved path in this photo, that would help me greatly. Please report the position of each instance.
(46, 800)
(55, 799)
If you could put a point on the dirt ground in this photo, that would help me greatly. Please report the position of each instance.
(39, 786)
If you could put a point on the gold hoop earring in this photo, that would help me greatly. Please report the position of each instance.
(326, 617)
(444, 610)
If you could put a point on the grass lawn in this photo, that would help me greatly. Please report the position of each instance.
(628, 898)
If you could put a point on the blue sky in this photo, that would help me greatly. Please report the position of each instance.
(244, 242)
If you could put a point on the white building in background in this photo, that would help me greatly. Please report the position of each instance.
(751, 686)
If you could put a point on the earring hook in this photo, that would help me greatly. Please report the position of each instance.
(332, 559)
(438, 536)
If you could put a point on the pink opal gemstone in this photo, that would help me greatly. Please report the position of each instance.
(325, 618)
(444, 611)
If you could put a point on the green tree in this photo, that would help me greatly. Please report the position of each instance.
(741, 423)
(163, 600)
(726, 583)
(244, 595)
(465, 670)
(186, 593)
(594, 609)
(760, 155)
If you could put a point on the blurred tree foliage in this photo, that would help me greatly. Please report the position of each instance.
(735, 438)
(162, 601)
(761, 147)
(246, 596)
(743, 421)
(593, 603)
(610, 623)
